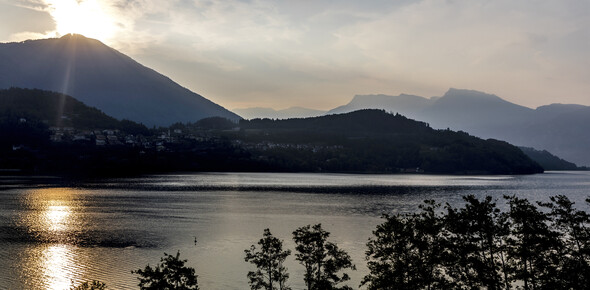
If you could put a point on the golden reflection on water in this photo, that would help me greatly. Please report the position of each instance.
(52, 220)
(56, 217)
(56, 262)
(50, 214)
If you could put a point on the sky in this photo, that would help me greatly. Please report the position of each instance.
(319, 54)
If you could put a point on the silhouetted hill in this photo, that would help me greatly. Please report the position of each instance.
(289, 113)
(548, 161)
(373, 140)
(58, 110)
(557, 128)
(361, 141)
(104, 78)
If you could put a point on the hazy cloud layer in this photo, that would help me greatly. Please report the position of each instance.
(320, 53)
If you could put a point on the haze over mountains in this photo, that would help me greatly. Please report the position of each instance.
(103, 78)
(292, 112)
(560, 129)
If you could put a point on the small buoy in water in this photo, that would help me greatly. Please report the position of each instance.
(195, 240)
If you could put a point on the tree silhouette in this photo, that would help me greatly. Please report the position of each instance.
(322, 259)
(476, 234)
(533, 246)
(271, 273)
(406, 252)
(480, 247)
(170, 274)
(573, 226)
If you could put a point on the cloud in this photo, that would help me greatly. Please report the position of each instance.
(471, 43)
(320, 53)
(21, 36)
(423, 47)
(21, 20)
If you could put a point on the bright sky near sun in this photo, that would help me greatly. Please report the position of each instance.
(89, 18)
(319, 54)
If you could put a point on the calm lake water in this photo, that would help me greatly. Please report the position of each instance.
(53, 236)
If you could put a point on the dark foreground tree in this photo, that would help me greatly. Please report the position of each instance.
(170, 274)
(406, 252)
(322, 259)
(533, 246)
(479, 247)
(574, 227)
(271, 273)
(476, 234)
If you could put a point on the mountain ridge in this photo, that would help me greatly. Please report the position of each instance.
(291, 112)
(557, 128)
(102, 77)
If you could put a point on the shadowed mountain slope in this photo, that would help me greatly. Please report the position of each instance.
(104, 78)
(59, 110)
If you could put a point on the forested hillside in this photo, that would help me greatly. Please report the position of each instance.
(58, 110)
(54, 133)
(373, 140)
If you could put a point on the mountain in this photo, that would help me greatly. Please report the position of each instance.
(411, 105)
(558, 128)
(377, 141)
(58, 110)
(547, 160)
(292, 112)
(104, 78)
(564, 134)
(52, 133)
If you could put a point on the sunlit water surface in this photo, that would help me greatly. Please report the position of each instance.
(53, 237)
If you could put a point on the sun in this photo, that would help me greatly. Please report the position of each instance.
(90, 18)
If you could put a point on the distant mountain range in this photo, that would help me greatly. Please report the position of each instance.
(292, 112)
(104, 78)
(558, 128)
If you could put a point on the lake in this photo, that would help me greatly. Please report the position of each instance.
(53, 234)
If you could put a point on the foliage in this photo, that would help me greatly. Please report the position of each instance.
(271, 273)
(322, 259)
(406, 252)
(574, 225)
(90, 285)
(533, 246)
(170, 274)
(480, 247)
(476, 233)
